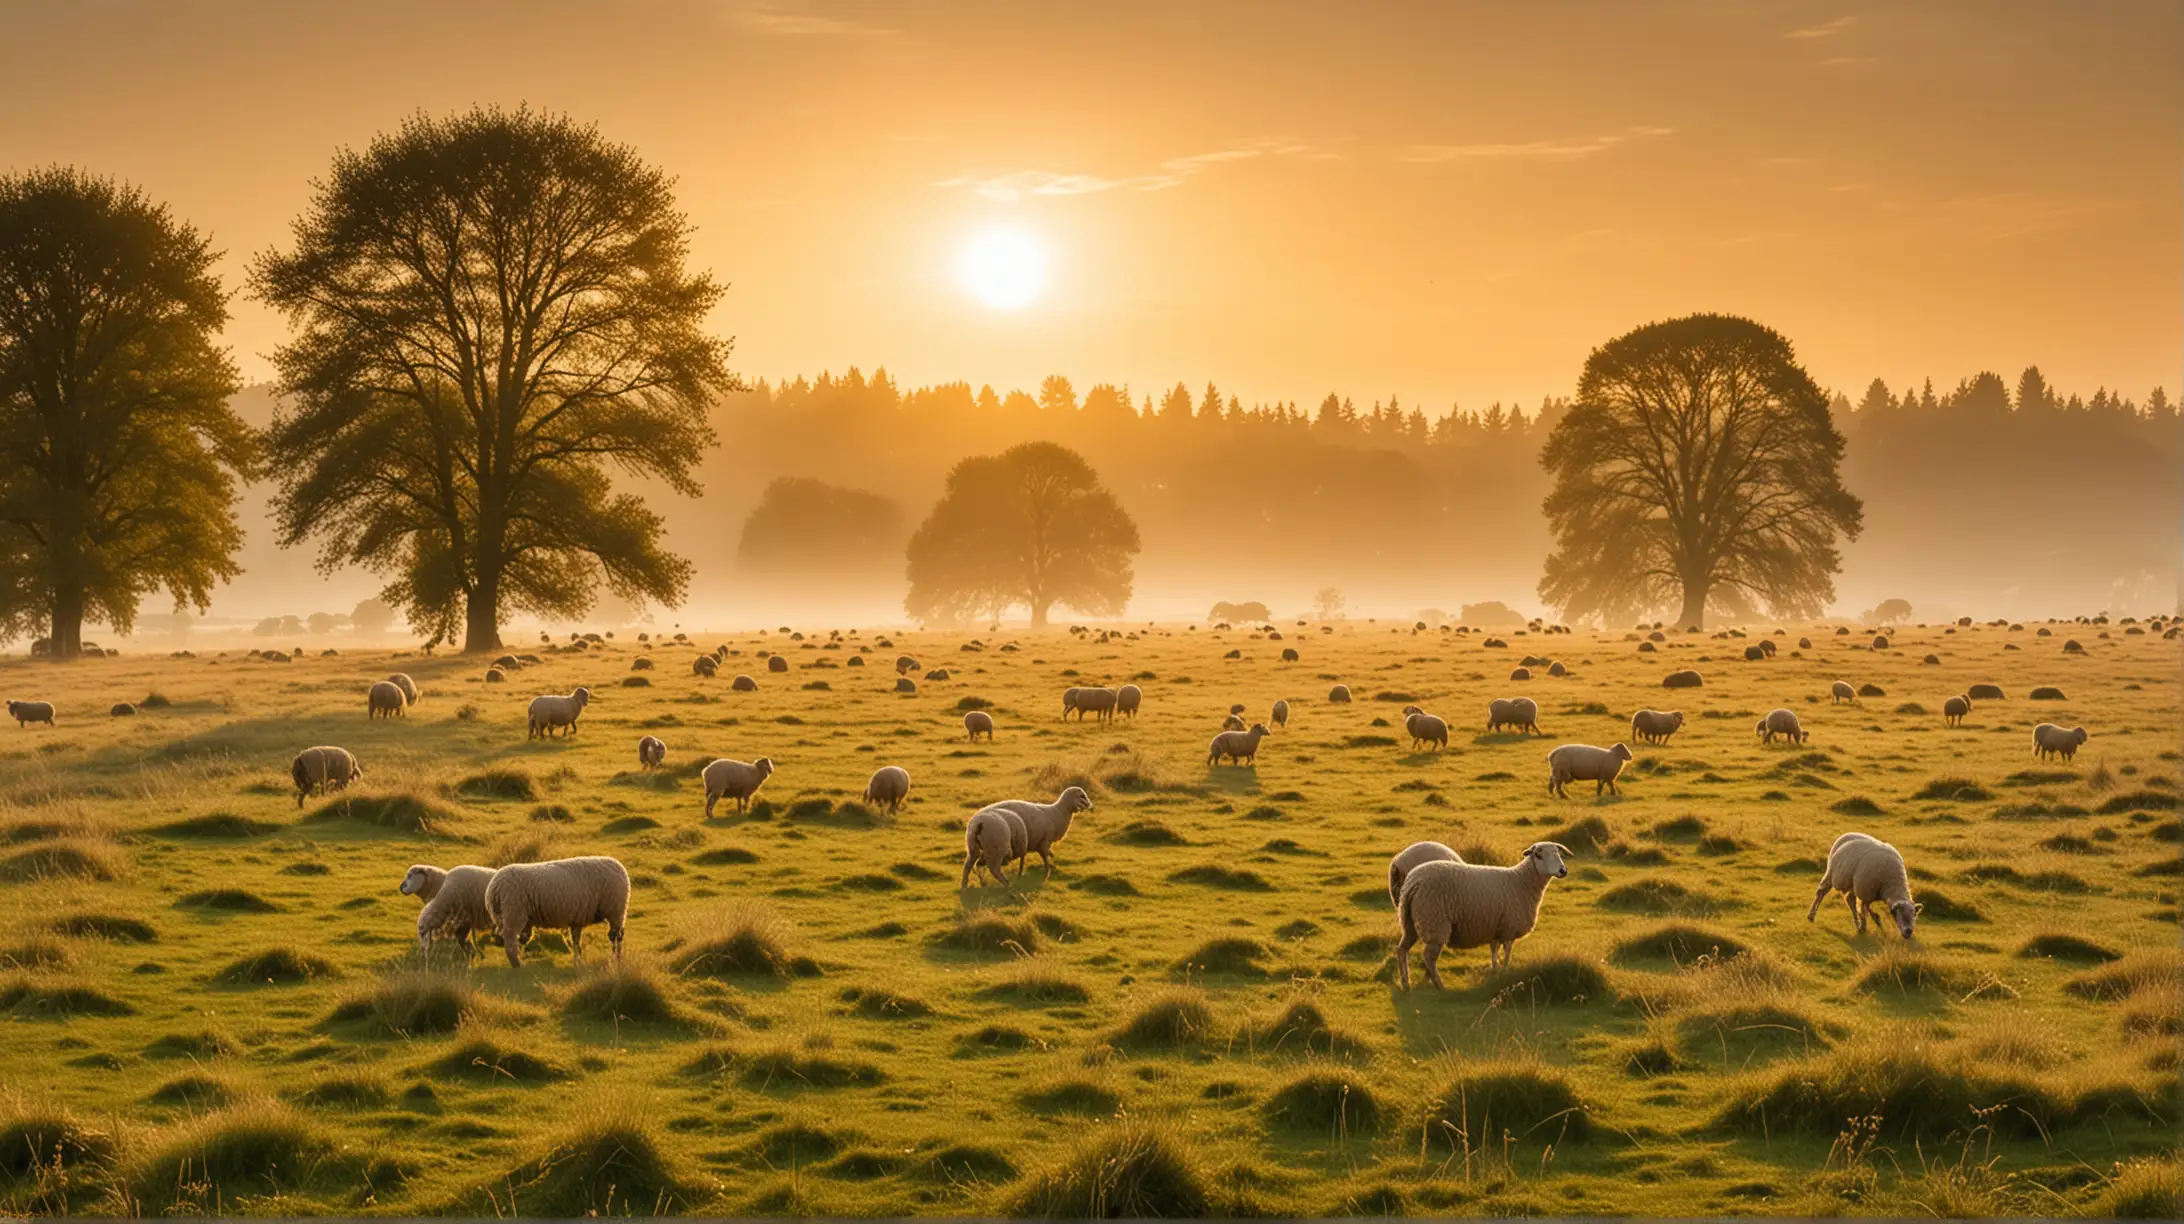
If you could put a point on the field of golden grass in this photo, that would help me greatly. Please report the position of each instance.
(212, 999)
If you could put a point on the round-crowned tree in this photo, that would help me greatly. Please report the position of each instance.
(1031, 526)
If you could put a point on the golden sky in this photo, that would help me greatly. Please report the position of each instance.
(1446, 202)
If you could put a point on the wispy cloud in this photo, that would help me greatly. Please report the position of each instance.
(1009, 188)
(793, 21)
(1826, 29)
(1567, 149)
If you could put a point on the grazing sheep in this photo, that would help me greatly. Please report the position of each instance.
(1753, 654)
(559, 894)
(550, 712)
(1783, 723)
(977, 723)
(1683, 679)
(1557, 669)
(1519, 712)
(1467, 905)
(1234, 722)
(737, 780)
(651, 751)
(991, 838)
(904, 684)
(743, 684)
(321, 769)
(1280, 716)
(494, 675)
(1425, 728)
(1954, 710)
(1585, 763)
(777, 663)
(1522, 673)
(904, 665)
(122, 709)
(1655, 726)
(1410, 858)
(1866, 870)
(890, 785)
(1841, 691)
(385, 700)
(454, 900)
(408, 686)
(1985, 692)
(1083, 701)
(705, 667)
(1127, 698)
(1289, 654)
(1046, 823)
(2049, 739)
(1239, 746)
(507, 662)
(1339, 695)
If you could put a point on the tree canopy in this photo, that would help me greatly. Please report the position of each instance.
(1700, 465)
(490, 310)
(119, 450)
(814, 531)
(1031, 526)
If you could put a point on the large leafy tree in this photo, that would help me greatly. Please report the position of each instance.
(805, 530)
(491, 310)
(1030, 526)
(1698, 468)
(118, 453)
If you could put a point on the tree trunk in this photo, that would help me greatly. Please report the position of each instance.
(1694, 605)
(1039, 614)
(481, 629)
(67, 637)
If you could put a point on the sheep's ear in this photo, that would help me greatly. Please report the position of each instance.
(1918, 907)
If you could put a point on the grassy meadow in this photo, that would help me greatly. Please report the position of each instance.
(213, 1002)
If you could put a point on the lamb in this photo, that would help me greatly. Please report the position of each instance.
(385, 700)
(548, 713)
(1280, 716)
(1655, 726)
(454, 900)
(890, 785)
(1866, 870)
(1127, 698)
(651, 751)
(1410, 859)
(1465, 905)
(567, 894)
(726, 779)
(1519, 712)
(407, 685)
(1954, 710)
(1239, 746)
(993, 836)
(1425, 728)
(977, 723)
(27, 712)
(2048, 739)
(1783, 723)
(1046, 823)
(324, 768)
(1841, 691)
(1585, 763)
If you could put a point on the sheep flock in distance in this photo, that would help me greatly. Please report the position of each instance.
(1347, 918)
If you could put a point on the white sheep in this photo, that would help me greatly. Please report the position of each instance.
(1425, 728)
(889, 785)
(1867, 870)
(651, 751)
(1239, 746)
(1467, 905)
(993, 836)
(977, 723)
(704, 667)
(1280, 716)
(1046, 823)
(1339, 695)
(2047, 739)
(1585, 763)
(1082, 701)
(27, 712)
(737, 780)
(1127, 698)
(1410, 858)
(454, 900)
(407, 685)
(385, 700)
(1841, 691)
(550, 712)
(1954, 709)
(1519, 712)
(1783, 723)
(1655, 726)
(559, 894)
(1234, 722)
(324, 768)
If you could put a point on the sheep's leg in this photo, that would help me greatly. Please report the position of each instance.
(1817, 898)
(1402, 959)
(1857, 911)
(511, 938)
(1432, 957)
(576, 943)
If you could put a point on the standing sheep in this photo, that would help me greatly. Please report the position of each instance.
(27, 712)
(550, 712)
(2049, 739)
(1410, 858)
(651, 751)
(890, 785)
(1585, 763)
(705, 667)
(1866, 871)
(1339, 695)
(407, 685)
(454, 900)
(1280, 716)
(1841, 691)
(994, 835)
(1127, 698)
(1239, 746)
(385, 700)
(1655, 726)
(1783, 723)
(977, 723)
(726, 779)
(1046, 823)
(1954, 710)
(1083, 701)
(559, 894)
(1466, 905)
(1519, 712)
(325, 768)
(1234, 722)
(1425, 728)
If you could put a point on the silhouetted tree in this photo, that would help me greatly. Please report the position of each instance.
(1699, 463)
(1329, 601)
(321, 622)
(118, 453)
(1029, 526)
(1888, 612)
(1056, 395)
(371, 618)
(808, 528)
(490, 309)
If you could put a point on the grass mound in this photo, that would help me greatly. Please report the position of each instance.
(1302, 1028)
(1147, 833)
(1856, 805)
(989, 933)
(1174, 1019)
(534, 844)
(23, 996)
(1487, 1101)
(71, 858)
(1133, 1169)
(725, 856)
(1081, 1097)
(1678, 943)
(227, 900)
(240, 1152)
(201, 1045)
(499, 783)
(2150, 1188)
(399, 813)
(275, 965)
(1214, 875)
(746, 940)
(2059, 945)
(1936, 904)
(552, 813)
(44, 1140)
(411, 1003)
(1962, 790)
(628, 991)
(1657, 895)
(2141, 972)
(1738, 1034)
(1554, 979)
(194, 1090)
(1233, 954)
(483, 1057)
(2138, 801)
(1903, 971)
(786, 1067)
(1034, 980)
(1916, 1090)
(1101, 884)
(876, 1003)
(1584, 834)
(1324, 1100)
(610, 1164)
(352, 1090)
(219, 824)
(115, 927)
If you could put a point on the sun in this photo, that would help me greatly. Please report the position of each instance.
(1004, 269)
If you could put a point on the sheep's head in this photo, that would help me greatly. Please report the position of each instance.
(1760, 727)
(1260, 729)
(582, 697)
(1620, 752)
(1905, 913)
(1546, 858)
(763, 767)
(1411, 709)
(1675, 718)
(1238, 708)
(1075, 800)
(2078, 734)
(423, 881)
